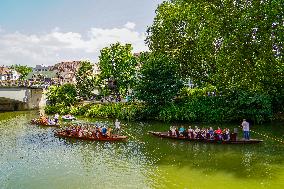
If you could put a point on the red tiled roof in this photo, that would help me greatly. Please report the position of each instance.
(67, 66)
(4, 70)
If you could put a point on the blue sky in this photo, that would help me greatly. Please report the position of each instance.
(49, 31)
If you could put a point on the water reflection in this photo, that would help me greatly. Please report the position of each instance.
(32, 157)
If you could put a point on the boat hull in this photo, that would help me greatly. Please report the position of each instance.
(113, 138)
(165, 135)
(43, 125)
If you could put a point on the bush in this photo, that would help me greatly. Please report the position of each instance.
(129, 111)
(195, 107)
(58, 108)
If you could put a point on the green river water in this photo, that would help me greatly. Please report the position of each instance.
(31, 157)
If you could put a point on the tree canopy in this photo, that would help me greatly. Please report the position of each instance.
(85, 80)
(118, 68)
(229, 44)
(158, 81)
(65, 94)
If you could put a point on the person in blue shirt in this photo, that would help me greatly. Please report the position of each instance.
(181, 130)
(104, 131)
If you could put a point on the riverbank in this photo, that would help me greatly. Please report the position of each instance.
(208, 110)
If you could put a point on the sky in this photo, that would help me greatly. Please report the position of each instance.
(36, 32)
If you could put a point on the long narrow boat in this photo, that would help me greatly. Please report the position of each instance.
(44, 125)
(165, 135)
(112, 138)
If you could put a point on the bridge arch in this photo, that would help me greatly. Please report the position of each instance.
(21, 98)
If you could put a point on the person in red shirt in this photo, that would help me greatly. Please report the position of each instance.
(218, 133)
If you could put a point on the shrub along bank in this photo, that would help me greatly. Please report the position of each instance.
(193, 108)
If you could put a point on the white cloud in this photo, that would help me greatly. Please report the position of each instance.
(57, 46)
(130, 25)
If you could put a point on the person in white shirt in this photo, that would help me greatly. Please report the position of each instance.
(245, 126)
(56, 117)
(117, 126)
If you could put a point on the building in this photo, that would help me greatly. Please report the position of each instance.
(66, 71)
(8, 74)
(41, 68)
(43, 76)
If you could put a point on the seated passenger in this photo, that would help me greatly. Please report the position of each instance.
(170, 133)
(80, 133)
(109, 132)
(218, 134)
(190, 133)
(181, 130)
(185, 133)
(56, 117)
(226, 134)
(211, 133)
(73, 131)
(177, 133)
(51, 122)
(104, 131)
(203, 133)
(174, 131)
(197, 132)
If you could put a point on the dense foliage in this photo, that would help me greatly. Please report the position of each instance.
(85, 80)
(118, 67)
(191, 108)
(232, 50)
(158, 81)
(65, 95)
(230, 44)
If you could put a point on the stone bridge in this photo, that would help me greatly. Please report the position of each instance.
(21, 98)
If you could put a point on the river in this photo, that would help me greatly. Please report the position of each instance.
(31, 157)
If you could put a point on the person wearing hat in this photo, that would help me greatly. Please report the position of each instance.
(245, 126)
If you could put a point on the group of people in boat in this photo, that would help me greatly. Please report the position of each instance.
(45, 120)
(203, 133)
(90, 131)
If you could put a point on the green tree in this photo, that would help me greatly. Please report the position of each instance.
(118, 68)
(85, 80)
(64, 94)
(23, 70)
(230, 44)
(159, 81)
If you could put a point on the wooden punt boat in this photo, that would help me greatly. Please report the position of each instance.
(112, 138)
(44, 125)
(165, 135)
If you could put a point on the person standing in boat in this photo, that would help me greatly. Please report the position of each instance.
(245, 126)
(56, 117)
(117, 126)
